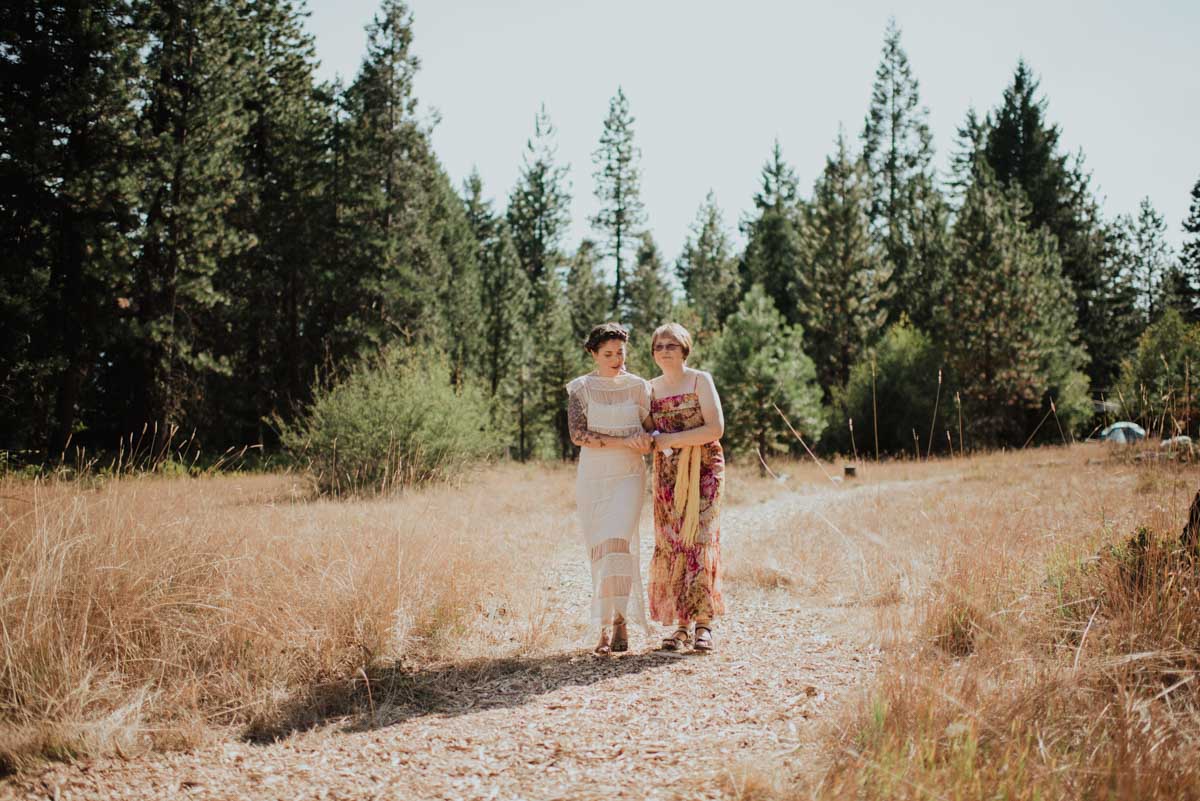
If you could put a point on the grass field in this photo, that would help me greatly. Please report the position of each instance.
(1030, 651)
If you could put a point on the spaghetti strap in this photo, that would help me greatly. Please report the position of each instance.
(695, 382)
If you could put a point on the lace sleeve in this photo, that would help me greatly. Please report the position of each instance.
(577, 423)
(643, 400)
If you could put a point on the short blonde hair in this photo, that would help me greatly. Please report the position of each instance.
(676, 332)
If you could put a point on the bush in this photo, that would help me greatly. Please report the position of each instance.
(758, 363)
(396, 420)
(906, 364)
(1155, 386)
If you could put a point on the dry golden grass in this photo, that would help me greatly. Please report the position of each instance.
(149, 611)
(1031, 650)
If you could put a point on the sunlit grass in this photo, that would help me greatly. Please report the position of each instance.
(1031, 649)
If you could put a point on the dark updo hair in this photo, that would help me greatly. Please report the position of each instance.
(604, 332)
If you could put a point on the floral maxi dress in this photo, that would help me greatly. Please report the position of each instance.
(685, 582)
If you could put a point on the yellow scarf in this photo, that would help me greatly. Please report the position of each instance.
(687, 493)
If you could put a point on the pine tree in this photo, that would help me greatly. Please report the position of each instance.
(272, 288)
(969, 161)
(1185, 277)
(908, 214)
(772, 254)
(460, 328)
(1022, 149)
(759, 362)
(192, 127)
(539, 210)
(618, 189)
(68, 165)
(708, 270)
(586, 295)
(1116, 309)
(1191, 248)
(393, 293)
(843, 283)
(560, 357)
(504, 287)
(1010, 328)
(1149, 260)
(648, 299)
(407, 251)
(648, 304)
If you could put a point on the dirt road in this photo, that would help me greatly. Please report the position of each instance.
(568, 725)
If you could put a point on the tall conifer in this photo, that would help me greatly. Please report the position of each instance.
(648, 303)
(192, 127)
(707, 268)
(1149, 260)
(1010, 334)
(273, 286)
(69, 75)
(842, 286)
(504, 288)
(539, 210)
(1185, 278)
(772, 253)
(587, 297)
(618, 188)
(1023, 151)
(908, 215)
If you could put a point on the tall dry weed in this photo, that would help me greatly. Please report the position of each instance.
(1052, 656)
(149, 611)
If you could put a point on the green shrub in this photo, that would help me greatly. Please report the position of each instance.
(396, 420)
(759, 363)
(1156, 385)
(906, 364)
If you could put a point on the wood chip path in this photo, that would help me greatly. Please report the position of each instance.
(644, 725)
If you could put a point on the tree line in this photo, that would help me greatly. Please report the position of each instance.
(197, 234)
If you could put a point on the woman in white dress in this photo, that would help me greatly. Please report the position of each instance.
(605, 412)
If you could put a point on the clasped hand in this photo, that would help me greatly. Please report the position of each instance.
(640, 442)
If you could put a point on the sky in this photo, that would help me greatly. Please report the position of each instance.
(712, 84)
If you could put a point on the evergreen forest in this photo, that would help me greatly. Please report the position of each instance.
(201, 240)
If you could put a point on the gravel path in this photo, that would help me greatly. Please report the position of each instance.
(569, 725)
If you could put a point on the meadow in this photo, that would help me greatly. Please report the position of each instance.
(1032, 645)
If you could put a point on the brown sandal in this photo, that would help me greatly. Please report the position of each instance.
(681, 639)
(704, 642)
(620, 638)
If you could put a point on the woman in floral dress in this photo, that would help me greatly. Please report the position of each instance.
(689, 476)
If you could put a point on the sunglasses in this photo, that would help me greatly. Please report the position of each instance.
(668, 346)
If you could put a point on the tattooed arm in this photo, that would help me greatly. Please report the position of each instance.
(580, 434)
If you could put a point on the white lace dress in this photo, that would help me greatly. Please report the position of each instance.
(609, 490)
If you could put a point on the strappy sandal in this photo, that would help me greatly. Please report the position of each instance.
(620, 638)
(681, 639)
(704, 642)
(605, 646)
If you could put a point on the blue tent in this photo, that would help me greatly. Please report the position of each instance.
(1123, 432)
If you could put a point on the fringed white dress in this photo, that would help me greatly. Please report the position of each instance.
(609, 490)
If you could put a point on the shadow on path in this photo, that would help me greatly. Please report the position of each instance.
(391, 695)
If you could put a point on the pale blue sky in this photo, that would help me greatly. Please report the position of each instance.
(711, 85)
